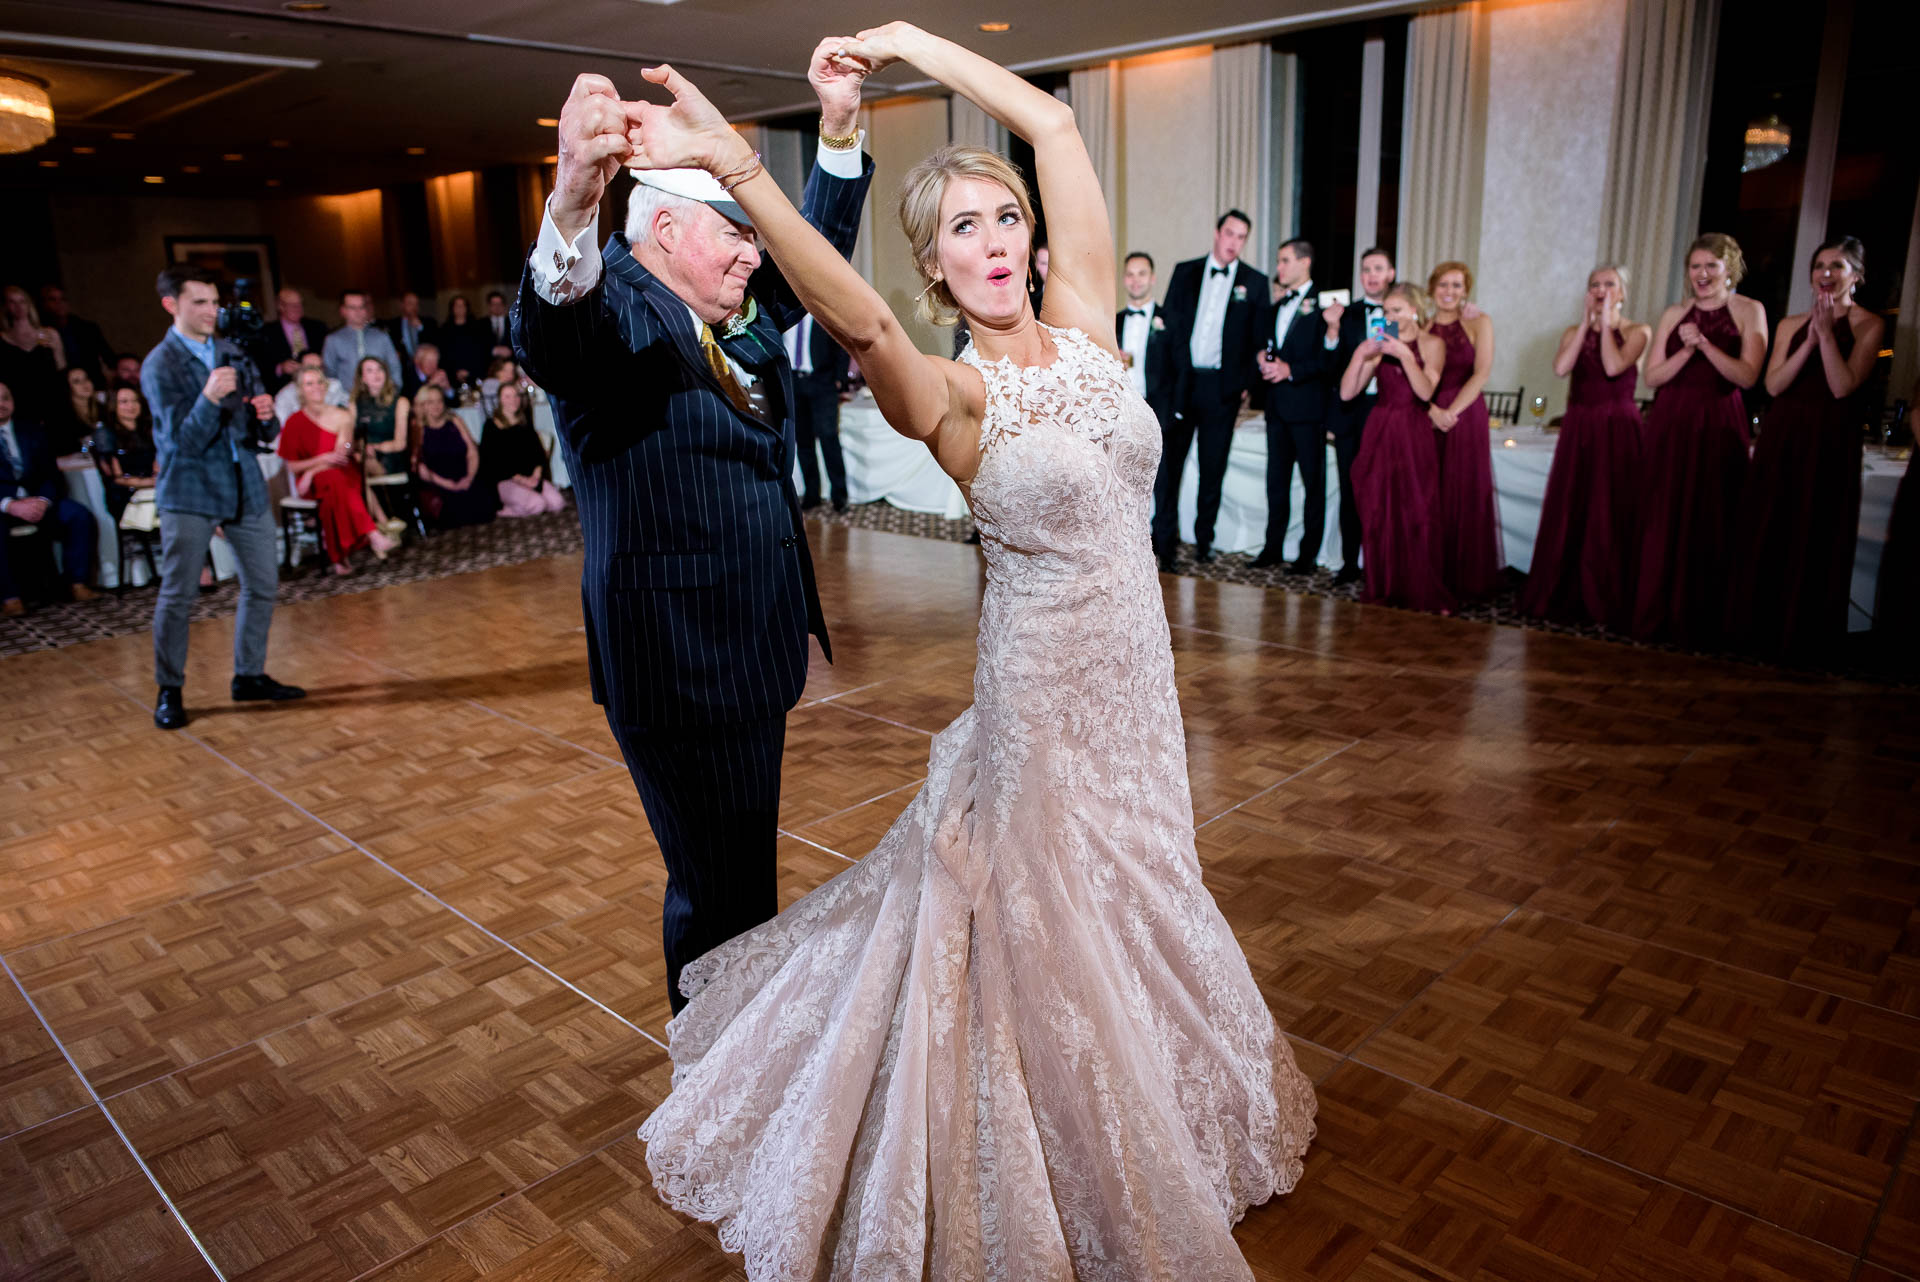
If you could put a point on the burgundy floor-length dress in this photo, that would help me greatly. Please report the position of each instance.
(1584, 557)
(1799, 518)
(1471, 551)
(1696, 467)
(1396, 482)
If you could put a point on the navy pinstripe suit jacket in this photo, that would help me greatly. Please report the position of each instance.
(698, 587)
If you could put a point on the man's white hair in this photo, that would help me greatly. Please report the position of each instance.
(643, 202)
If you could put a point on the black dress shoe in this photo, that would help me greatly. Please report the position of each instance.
(1301, 566)
(1266, 560)
(1168, 566)
(840, 505)
(169, 713)
(1348, 574)
(810, 502)
(1203, 555)
(261, 686)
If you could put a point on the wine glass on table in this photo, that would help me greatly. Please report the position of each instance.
(1538, 408)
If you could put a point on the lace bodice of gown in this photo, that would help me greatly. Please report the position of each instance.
(1810, 385)
(1395, 391)
(1460, 357)
(1018, 1041)
(1592, 385)
(1723, 331)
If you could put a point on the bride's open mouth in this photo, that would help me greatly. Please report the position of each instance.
(999, 276)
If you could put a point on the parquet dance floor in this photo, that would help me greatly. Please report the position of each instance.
(1606, 962)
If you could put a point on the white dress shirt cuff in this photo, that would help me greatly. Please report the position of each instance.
(565, 272)
(844, 164)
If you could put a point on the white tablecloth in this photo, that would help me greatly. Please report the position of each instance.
(881, 464)
(476, 422)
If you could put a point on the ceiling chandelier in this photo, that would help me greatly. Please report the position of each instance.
(1767, 142)
(26, 113)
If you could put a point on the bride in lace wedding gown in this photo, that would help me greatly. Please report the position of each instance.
(1018, 1040)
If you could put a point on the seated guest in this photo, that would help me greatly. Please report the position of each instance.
(464, 344)
(448, 467)
(287, 399)
(317, 444)
(501, 370)
(380, 423)
(126, 369)
(410, 329)
(513, 458)
(30, 488)
(123, 449)
(425, 369)
(82, 340)
(283, 343)
(31, 359)
(74, 421)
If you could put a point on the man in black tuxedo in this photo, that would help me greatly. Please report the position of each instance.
(1294, 366)
(820, 368)
(1346, 329)
(1156, 364)
(675, 401)
(409, 330)
(1214, 305)
(282, 342)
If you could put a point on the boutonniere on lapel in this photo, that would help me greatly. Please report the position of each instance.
(1239, 293)
(1306, 307)
(741, 321)
(1159, 322)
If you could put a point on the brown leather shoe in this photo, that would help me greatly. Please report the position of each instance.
(81, 592)
(13, 607)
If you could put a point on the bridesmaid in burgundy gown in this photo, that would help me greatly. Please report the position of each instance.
(1705, 351)
(1471, 552)
(1396, 477)
(1800, 519)
(1583, 559)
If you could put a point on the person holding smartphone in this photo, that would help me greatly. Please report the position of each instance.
(1396, 476)
(1347, 324)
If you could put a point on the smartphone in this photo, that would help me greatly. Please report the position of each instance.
(1380, 328)
(1330, 297)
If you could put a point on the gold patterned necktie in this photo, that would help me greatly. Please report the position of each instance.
(722, 371)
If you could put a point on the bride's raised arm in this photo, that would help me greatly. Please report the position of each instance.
(1080, 278)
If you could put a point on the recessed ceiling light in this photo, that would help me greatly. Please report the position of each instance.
(273, 182)
(49, 164)
(995, 27)
(282, 143)
(189, 169)
(83, 151)
(416, 151)
(305, 6)
(547, 122)
(233, 155)
(153, 178)
(122, 137)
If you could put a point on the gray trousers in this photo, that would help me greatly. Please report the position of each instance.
(184, 537)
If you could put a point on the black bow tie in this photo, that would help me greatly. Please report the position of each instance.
(1215, 271)
(1136, 311)
(1373, 307)
(1289, 296)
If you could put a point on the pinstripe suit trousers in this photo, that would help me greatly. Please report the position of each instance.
(712, 795)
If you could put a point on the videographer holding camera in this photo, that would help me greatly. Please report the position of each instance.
(210, 414)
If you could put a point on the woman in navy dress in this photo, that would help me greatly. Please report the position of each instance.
(1471, 554)
(1583, 559)
(1706, 349)
(1396, 476)
(1800, 518)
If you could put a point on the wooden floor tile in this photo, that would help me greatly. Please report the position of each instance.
(36, 1082)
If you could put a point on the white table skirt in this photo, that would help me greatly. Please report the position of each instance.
(883, 465)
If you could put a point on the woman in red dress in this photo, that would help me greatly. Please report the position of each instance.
(317, 444)
(1583, 559)
(1800, 518)
(1471, 554)
(1396, 477)
(1706, 349)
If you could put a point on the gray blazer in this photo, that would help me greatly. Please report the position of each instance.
(203, 452)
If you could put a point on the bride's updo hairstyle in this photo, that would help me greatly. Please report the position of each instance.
(1416, 298)
(920, 197)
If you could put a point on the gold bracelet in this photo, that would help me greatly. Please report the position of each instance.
(832, 143)
(729, 181)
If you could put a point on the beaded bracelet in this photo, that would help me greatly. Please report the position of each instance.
(731, 180)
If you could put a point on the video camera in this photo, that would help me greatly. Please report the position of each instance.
(242, 323)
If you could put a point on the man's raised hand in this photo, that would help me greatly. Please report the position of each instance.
(837, 81)
(593, 145)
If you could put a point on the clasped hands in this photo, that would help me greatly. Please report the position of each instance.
(600, 132)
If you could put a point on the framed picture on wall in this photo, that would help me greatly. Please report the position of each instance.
(248, 267)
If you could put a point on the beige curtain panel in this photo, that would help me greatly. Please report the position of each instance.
(1443, 139)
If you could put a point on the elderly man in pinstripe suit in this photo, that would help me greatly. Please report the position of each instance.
(675, 405)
